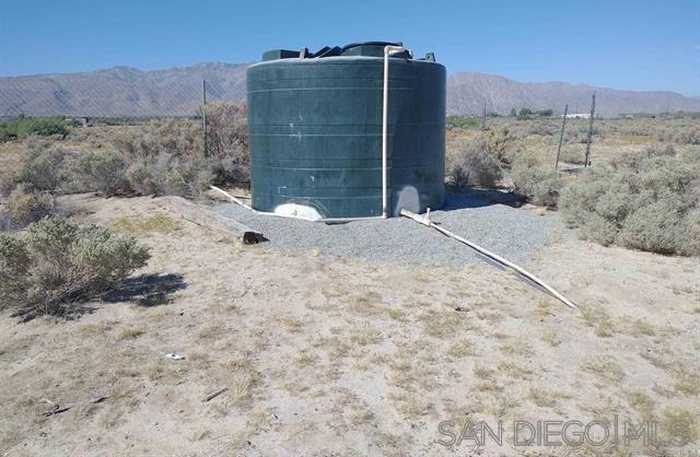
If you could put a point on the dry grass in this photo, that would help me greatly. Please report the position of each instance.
(686, 382)
(680, 426)
(138, 226)
(310, 373)
(306, 358)
(551, 337)
(411, 373)
(130, 333)
(397, 315)
(240, 376)
(642, 403)
(643, 328)
(605, 367)
(543, 398)
(519, 347)
(514, 371)
(444, 324)
(290, 324)
(365, 335)
(367, 304)
(411, 405)
(462, 349)
(484, 373)
(599, 319)
(335, 347)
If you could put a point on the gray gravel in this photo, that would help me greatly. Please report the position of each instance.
(488, 218)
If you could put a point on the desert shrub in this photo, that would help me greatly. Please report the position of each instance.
(43, 166)
(573, 136)
(227, 127)
(471, 164)
(58, 264)
(227, 143)
(161, 156)
(15, 263)
(573, 153)
(525, 114)
(501, 142)
(692, 136)
(27, 126)
(168, 157)
(24, 207)
(681, 134)
(647, 200)
(535, 180)
(691, 229)
(9, 175)
(657, 227)
(103, 172)
(462, 122)
(544, 128)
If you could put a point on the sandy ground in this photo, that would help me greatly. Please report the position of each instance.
(335, 357)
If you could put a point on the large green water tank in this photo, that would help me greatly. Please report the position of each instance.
(315, 128)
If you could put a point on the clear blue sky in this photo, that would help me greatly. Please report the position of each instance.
(625, 44)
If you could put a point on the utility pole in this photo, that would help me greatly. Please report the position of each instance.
(590, 133)
(204, 116)
(561, 136)
(483, 118)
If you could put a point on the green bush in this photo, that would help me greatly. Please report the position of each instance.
(471, 164)
(227, 143)
(15, 263)
(9, 175)
(544, 128)
(57, 265)
(23, 207)
(43, 167)
(656, 227)
(156, 158)
(462, 122)
(27, 126)
(573, 153)
(168, 157)
(536, 181)
(103, 172)
(525, 114)
(682, 134)
(648, 201)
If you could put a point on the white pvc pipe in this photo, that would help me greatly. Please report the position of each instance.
(388, 50)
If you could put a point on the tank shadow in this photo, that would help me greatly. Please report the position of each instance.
(479, 197)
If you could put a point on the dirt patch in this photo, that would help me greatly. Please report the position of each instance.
(335, 356)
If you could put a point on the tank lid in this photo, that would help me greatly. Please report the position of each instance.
(365, 48)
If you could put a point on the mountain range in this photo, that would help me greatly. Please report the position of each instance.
(125, 91)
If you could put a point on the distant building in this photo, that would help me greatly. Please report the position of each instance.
(578, 116)
(82, 121)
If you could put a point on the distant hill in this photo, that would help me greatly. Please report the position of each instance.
(125, 91)
(468, 92)
(121, 91)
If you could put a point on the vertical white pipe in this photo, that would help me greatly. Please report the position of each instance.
(388, 50)
(385, 116)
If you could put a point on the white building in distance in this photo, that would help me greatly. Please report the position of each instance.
(578, 116)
